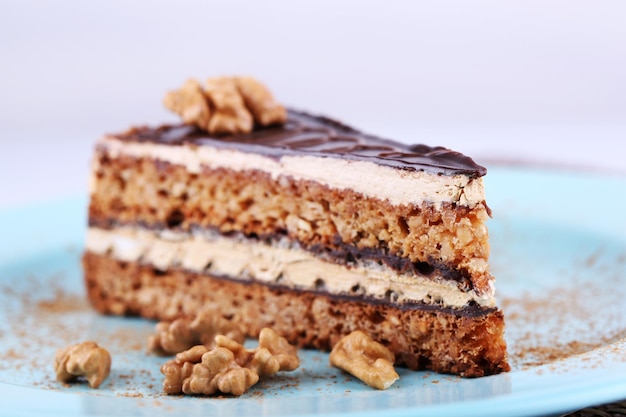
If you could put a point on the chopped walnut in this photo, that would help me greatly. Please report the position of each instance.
(203, 371)
(219, 371)
(265, 109)
(85, 359)
(190, 104)
(229, 367)
(366, 359)
(178, 370)
(230, 114)
(279, 347)
(226, 105)
(183, 333)
(273, 354)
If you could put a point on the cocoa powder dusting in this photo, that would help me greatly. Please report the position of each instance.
(43, 317)
(561, 323)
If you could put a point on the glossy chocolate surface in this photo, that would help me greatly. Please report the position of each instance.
(304, 134)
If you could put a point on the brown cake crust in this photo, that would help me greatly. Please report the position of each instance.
(467, 345)
(252, 202)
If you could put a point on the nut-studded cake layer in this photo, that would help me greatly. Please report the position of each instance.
(461, 343)
(156, 194)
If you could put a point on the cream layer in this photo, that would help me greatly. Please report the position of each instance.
(282, 264)
(398, 186)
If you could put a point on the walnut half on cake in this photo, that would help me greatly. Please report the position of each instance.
(298, 223)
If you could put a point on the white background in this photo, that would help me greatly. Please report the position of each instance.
(536, 80)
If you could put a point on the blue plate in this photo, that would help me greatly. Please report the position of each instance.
(558, 252)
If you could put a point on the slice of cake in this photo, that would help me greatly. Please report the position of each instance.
(281, 219)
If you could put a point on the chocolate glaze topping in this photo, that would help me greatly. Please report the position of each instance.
(304, 134)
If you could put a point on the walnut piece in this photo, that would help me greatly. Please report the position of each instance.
(229, 367)
(226, 105)
(231, 114)
(183, 333)
(273, 354)
(190, 104)
(285, 354)
(265, 109)
(366, 359)
(219, 372)
(85, 359)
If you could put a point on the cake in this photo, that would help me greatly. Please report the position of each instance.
(274, 217)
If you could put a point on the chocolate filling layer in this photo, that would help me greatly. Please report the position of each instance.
(341, 253)
(304, 134)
